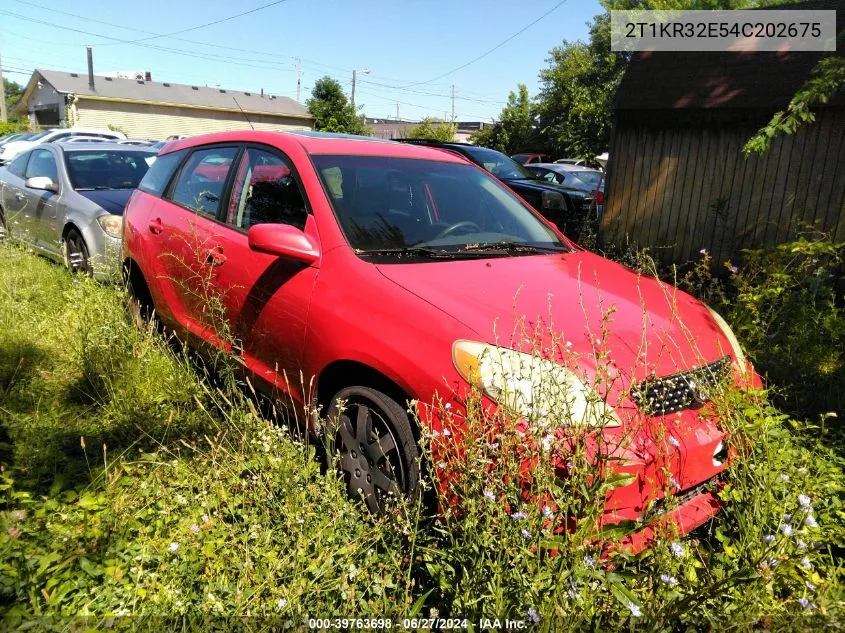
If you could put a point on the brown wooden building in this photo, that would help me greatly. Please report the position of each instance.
(677, 180)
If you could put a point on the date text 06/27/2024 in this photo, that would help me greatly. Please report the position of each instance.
(420, 624)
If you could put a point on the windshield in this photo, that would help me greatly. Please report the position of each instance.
(498, 164)
(588, 177)
(107, 169)
(386, 203)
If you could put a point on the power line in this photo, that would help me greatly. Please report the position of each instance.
(485, 54)
(202, 26)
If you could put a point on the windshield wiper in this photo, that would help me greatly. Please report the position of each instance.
(410, 251)
(513, 247)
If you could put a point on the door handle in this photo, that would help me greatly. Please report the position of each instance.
(215, 257)
(156, 227)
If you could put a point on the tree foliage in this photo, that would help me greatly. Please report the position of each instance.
(577, 88)
(430, 128)
(827, 78)
(332, 110)
(516, 129)
(13, 94)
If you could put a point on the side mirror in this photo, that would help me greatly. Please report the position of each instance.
(42, 182)
(283, 240)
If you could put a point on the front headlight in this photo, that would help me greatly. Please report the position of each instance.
(552, 200)
(531, 387)
(732, 339)
(111, 224)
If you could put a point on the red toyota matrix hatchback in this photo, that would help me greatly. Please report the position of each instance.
(392, 273)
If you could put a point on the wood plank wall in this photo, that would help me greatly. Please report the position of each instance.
(678, 189)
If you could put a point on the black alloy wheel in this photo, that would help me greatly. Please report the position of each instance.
(378, 454)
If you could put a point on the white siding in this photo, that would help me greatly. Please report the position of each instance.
(140, 120)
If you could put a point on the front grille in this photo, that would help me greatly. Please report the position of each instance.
(680, 391)
(658, 507)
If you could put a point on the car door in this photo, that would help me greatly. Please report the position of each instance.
(184, 234)
(266, 296)
(42, 206)
(13, 199)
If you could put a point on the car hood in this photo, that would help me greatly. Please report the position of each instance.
(111, 200)
(648, 328)
(541, 185)
(15, 147)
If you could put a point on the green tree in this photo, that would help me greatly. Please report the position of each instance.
(332, 110)
(577, 88)
(13, 94)
(433, 129)
(516, 128)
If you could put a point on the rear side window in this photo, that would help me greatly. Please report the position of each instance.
(201, 181)
(159, 174)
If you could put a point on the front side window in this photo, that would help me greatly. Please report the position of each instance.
(18, 166)
(384, 203)
(201, 181)
(265, 192)
(108, 169)
(60, 136)
(42, 163)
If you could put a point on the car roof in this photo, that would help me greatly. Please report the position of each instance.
(317, 143)
(99, 147)
(564, 167)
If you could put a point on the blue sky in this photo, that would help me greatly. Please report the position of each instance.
(401, 42)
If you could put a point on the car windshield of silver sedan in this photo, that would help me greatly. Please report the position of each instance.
(107, 169)
(400, 208)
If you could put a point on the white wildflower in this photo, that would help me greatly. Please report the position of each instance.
(519, 515)
(810, 585)
(669, 580)
(488, 494)
(525, 533)
(589, 561)
(800, 544)
(195, 528)
(677, 549)
(635, 610)
(805, 563)
(533, 616)
(810, 521)
(547, 512)
(786, 529)
(804, 501)
(281, 604)
(674, 441)
(174, 547)
(769, 539)
(783, 477)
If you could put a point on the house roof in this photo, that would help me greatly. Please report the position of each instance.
(114, 88)
(694, 80)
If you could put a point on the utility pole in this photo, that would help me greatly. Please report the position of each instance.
(397, 111)
(298, 77)
(354, 80)
(453, 103)
(3, 116)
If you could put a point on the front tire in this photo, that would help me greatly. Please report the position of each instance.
(379, 456)
(76, 253)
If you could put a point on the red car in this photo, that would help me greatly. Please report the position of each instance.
(391, 273)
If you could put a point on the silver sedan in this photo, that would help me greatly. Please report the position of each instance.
(66, 201)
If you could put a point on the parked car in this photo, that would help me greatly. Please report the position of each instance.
(574, 177)
(581, 162)
(66, 200)
(565, 207)
(388, 272)
(88, 139)
(10, 150)
(20, 136)
(528, 159)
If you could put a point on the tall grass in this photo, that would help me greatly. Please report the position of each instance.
(133, 486)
